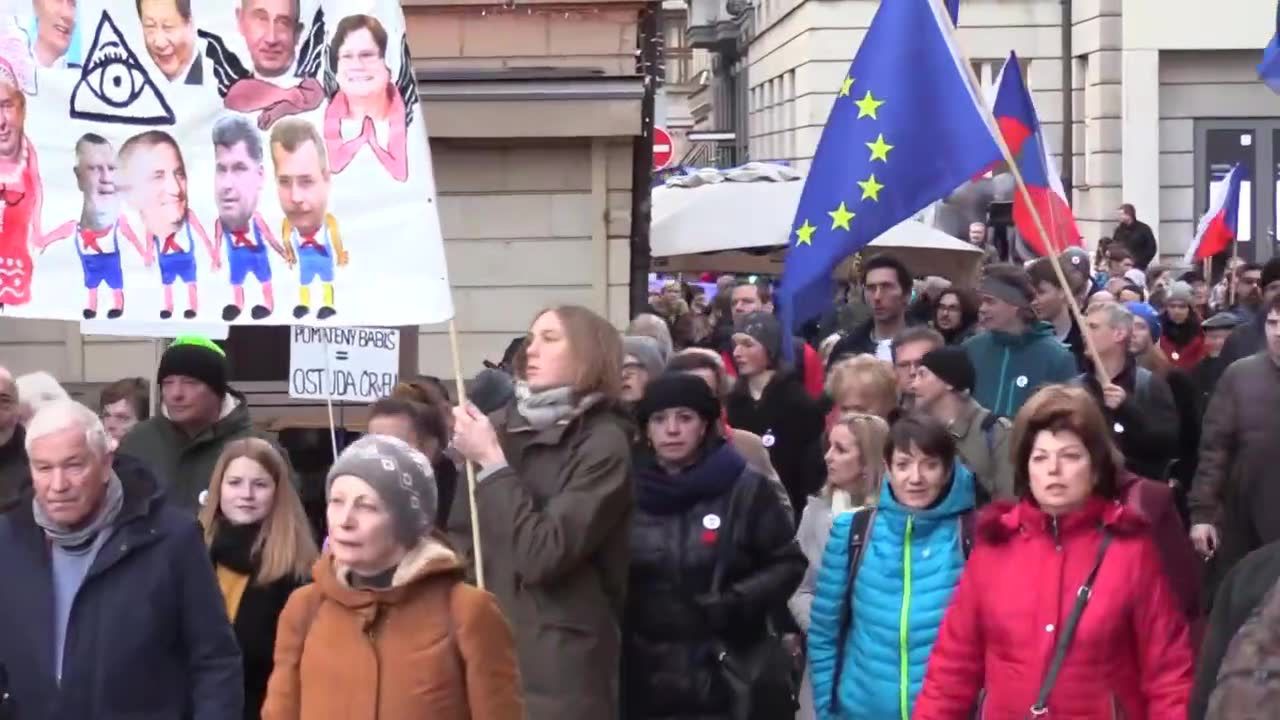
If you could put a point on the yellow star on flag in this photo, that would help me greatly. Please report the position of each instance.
(804, 234)
(880, 149)
(846, 86)
(840, 217)
(870, 188)
(867, 106)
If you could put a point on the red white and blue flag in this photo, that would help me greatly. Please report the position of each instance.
(1016, 116)
(1218, 227)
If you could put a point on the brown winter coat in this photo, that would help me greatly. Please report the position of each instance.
(428, 648)
(1235, 484)
(555, 532)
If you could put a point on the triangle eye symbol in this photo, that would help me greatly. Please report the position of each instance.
(114, 87)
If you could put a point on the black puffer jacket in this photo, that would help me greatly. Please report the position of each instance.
(794, 420)
(672, 618)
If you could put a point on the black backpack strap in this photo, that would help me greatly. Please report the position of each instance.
(1040, 709)
(968, 521)
(859, 531)
(988, 426)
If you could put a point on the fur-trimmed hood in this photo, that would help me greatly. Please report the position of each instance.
(1002, 520)
(430, 557)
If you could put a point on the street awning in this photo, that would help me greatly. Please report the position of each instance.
(739, 213)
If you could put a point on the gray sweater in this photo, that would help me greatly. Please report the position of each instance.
(70, 567)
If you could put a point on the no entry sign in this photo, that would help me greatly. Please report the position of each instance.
(663, 148)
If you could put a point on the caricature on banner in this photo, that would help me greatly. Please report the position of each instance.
(244, 161)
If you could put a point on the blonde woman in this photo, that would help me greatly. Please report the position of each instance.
(262, 550)
(863, 384)
(855, 463)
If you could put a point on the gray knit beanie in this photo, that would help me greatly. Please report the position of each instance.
(646, 351)
(1179, 291)
(762, 327)
(400, 475)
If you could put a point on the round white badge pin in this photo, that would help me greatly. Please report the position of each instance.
(1118, 428)
(1174, 356)
(204, 495)
(1021, 381)
(768, 439)
(711, 521)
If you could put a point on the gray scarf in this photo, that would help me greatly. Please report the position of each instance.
(107, 513)
(546, 407)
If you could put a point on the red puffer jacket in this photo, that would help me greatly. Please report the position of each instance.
(1131, 656)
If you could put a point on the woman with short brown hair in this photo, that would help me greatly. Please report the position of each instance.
(554, 503)
(261, 545)
(1102, 634)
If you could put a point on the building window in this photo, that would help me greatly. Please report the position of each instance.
(988, 73)
(258, 353)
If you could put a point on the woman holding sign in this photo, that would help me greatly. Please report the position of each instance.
(554, 503)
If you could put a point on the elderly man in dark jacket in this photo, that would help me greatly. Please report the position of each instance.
(1138, 403)
(110, 605)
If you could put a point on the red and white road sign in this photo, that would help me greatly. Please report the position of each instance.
(663, 148)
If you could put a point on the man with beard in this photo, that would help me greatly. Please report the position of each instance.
(303, 183)
(237, 181)
(158, 189)
(97, 233)
(887, 285)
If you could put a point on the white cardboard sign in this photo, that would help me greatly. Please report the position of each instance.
(343, 364)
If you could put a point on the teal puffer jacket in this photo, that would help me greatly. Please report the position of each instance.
(910, 565)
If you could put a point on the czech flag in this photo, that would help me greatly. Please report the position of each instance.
(1217, 228)
(1016, 116)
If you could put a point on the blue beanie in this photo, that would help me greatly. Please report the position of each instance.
(1147, 313)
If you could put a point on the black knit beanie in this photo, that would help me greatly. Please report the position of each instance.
(952, 366)
(674, 390)
(196, 358)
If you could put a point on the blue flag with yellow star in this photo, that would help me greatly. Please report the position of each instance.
(906, 129)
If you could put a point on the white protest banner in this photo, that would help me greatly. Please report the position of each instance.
(248, 161)
(343, 364)
(161, 330)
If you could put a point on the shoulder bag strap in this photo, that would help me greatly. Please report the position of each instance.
(725, 541)
(1068, 631)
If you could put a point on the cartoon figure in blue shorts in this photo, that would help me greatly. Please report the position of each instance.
(302, 179)
(237, 183)
(101, 226)
(158, 189)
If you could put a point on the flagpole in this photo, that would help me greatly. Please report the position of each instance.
(993, 126)
(460, 386)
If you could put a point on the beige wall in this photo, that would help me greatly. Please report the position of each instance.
(1198, 24)
(518, 222)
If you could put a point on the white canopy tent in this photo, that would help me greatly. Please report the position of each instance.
(708, 220)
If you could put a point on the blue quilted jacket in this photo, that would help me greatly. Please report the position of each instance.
(910, 565)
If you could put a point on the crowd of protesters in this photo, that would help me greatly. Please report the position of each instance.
(945, 501)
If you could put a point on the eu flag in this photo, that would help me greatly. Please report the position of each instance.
(1269, 68)
(906, 129)
(953, 9)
